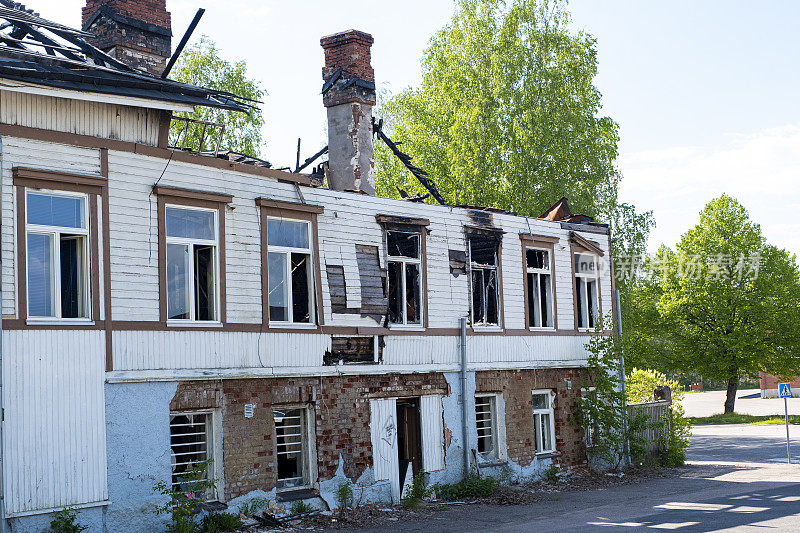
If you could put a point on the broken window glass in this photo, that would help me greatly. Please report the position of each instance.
(291, 287)
(191, 443)
(404, 277)
(539, 288)
(57, 256)
(484, 281)
(191, 264)
(402, 244)
(485, 423)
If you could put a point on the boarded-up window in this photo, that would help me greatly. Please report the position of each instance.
(337, 288)
(351, 350)
(372, 278)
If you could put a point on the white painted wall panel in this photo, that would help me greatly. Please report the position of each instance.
(542, 350)
(54, 442)
(430, 408)
(174, 350)
(132, 124)
(383, 430)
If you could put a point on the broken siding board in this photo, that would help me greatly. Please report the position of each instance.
(374, 300)
(337, 289)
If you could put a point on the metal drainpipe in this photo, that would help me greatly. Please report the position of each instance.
(624, 384)
(2, 412)
(464, 412)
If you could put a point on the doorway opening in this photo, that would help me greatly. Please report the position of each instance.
(409, 439)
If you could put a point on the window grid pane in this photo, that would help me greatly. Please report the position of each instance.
(55, 210)
(190, 441)
(485, 425)
(41, 279)
(290, 439)
(190, 224)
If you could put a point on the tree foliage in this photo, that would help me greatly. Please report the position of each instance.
(507, 116)
(201, 64)
(724, 304)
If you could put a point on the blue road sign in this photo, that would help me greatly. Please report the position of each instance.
(784, 390)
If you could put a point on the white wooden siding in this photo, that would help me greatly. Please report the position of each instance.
(174, 350)
(430, 408)
(35, 154)
(54, 446)
(111, 121)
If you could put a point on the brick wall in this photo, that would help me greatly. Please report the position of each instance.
(342, 412)
(152, 11)
(768, 381)
(516, 386)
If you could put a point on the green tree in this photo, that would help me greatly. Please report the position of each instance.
(724, 304)
(201, 64)
(507, 116)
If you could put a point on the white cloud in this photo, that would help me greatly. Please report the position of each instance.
(761, 170)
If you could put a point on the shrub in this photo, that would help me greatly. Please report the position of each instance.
(472, 486)
(551, 474)
(418, 491)
(253, 507)
(217, 522)
(186, 499)
(344, 494)
(300, 507)
(65, 521)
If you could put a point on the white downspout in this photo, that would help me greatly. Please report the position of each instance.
(464, 410)
(2, 411)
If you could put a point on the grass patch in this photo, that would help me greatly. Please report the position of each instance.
(736, 418)
(471, 487)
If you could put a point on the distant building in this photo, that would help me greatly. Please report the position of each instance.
(769, 385)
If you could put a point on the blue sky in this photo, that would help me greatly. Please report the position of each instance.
(706, 93)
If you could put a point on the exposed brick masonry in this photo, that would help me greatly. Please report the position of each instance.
(342, 412)
(152, 11)
(516, 386)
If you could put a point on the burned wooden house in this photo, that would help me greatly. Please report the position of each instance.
(164, 308)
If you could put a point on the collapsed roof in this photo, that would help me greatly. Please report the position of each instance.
(37, 51)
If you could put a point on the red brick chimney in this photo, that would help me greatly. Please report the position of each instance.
(349, 94)
(136, 32)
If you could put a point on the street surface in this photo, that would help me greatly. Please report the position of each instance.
(748, 402)
(733, 484)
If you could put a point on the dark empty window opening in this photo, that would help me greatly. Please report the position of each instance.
(291, 443)
(404, 277)
(192, 444)
(586, 290)
(484, 284)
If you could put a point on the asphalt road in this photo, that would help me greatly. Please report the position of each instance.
(748, 402)
(732, 484)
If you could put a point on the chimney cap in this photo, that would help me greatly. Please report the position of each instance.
(345, 37)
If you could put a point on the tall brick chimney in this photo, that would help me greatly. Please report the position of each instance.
(136, 32)
(349, 94)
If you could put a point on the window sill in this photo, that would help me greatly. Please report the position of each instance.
(492, 463)
(542, 329)
(294, 494)
(292, 325)
(404, 327)
(193, 324)
(60, 322)
(548, 455)
(486, 329)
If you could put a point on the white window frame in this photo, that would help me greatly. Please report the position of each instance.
(583, 279)
(309, 447)
(538, 272)
(213, 448)
(287, 251)
(405, 261)
(537, 422)
(485, 296)
(192, 320)
(494, 453)
(55, 255)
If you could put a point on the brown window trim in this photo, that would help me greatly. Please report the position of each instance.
(582, 242)
(93, 186)
(539, 241)
(189, 198)
(411, 225)
(500, 296)
(309, 212)
(575, 248)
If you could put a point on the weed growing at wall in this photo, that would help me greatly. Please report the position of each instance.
(66, 521)
(218, 522)
(344, 496)
(186, 498)
(473, 486)
(253, 507)
(300, 507)
(418, 491)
